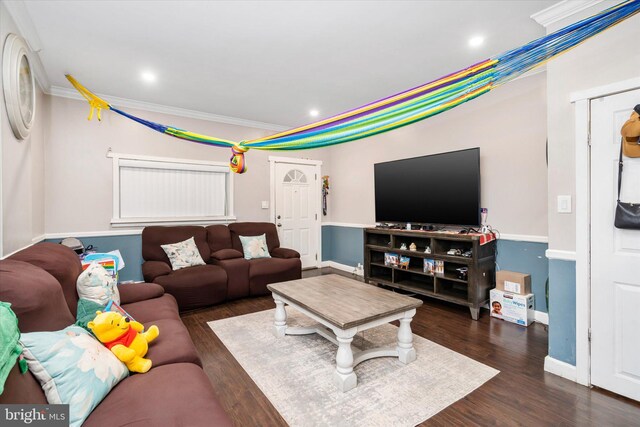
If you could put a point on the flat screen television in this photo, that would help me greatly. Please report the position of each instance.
(442, 189)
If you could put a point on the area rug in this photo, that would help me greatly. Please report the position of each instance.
(296, 374)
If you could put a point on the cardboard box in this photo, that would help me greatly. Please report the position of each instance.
(511, 281)
(513, 308)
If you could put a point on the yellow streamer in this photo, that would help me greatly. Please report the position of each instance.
(95, 102)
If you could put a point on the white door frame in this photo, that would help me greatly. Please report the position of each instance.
(317, 193)
(582, 103)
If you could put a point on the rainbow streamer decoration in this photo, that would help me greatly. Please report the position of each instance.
(406, 107)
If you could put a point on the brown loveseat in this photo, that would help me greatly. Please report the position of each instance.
(40, 284)
(227, 274)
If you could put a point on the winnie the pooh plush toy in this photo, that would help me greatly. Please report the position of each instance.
(124, 337)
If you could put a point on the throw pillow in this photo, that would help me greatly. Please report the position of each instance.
(255, 246)
(183, 254)
(97, 285)
(73, 368)
(86, 312)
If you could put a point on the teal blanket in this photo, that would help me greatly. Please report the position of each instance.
(86, 312)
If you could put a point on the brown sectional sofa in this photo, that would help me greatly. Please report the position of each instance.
(40, 284)
(227, 275)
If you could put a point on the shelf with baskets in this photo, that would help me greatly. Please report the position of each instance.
(466, 273)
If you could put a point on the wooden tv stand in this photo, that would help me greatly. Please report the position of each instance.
(472, 292)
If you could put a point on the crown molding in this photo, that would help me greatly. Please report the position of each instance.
(69, 93)
(562, 10)
(18, 11)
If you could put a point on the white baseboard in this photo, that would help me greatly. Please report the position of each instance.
(523, 238)
(541, 317)
(560, 255)
(343, 267)
(106, 233)
(38, 239)
(512, 237)
(348, 224)
(562, 369)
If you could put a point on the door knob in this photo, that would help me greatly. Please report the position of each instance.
(279, 225)
(278, 217)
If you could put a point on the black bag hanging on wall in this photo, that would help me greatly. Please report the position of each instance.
(627, 214)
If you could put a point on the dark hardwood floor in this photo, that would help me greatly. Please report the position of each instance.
(521, 394)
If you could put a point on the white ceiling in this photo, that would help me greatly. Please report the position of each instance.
(270, 61)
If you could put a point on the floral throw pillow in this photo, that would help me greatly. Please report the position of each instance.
(255, 246)
(98, 285)
(73, 368)
(183, 254)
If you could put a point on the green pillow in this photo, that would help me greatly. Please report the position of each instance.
(87, 312)
(10, 348)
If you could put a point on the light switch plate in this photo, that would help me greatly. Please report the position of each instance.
(265, 204)
(564, 204)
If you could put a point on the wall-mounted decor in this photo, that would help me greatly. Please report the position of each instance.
(19, 86)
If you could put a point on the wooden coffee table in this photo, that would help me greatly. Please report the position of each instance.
(345, 307)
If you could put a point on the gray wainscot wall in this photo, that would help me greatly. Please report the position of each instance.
(343, 245)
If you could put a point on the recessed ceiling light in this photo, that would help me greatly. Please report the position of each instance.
(148, 77)
(476, 41)
(314, 113)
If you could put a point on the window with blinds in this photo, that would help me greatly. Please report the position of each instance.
(155, 190)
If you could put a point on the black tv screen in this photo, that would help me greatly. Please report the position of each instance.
(439, 189)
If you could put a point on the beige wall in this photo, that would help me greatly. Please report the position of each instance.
(507, 124)
(62, 169)
(22, 169)
(608, 57)
(79, 175)
(70, 179)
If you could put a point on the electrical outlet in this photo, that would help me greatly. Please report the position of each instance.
(265, 204)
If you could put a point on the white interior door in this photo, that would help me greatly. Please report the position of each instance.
(615, 253)
(297, 202)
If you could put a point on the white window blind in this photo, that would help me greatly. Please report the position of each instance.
(152, 190)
